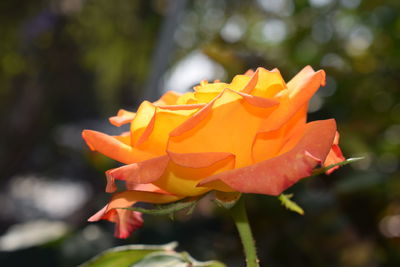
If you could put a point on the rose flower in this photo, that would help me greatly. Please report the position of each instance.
(249, 136)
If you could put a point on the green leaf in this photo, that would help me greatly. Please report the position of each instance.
(170, 208)
(125, 256)
(174, 259)
(147, 256)
(289, 204)
(324, 169)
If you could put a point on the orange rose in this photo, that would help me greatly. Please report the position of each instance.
(249, 136)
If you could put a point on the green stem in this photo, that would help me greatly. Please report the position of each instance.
(238, 213)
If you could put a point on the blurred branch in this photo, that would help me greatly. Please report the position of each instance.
(164, 49)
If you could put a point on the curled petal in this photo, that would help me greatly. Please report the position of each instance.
(249, 72)
(156, 134)
(123, 117)
(169, 98)
(114, 148)
(268, 83)
(137, 173)
(127, 220)
(144, 117)
(274, 175)
(300, 90)
(239, 82)
(335, 155)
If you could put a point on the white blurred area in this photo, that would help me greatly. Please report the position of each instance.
(190, 70)
(32, 233)
(389, 226)
(41, 205)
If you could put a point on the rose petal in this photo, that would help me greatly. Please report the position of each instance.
(137, 173)
(126, 220)
(300, 90)
(186, 99)
(273, 143)
(269, 83)
(217, 127)
(125, 138)
(155, 136)
(123, 117)
(274, 175)
(239, 82)
(335, 155)
(249, 72)
(210, 87)
(198, 160)
(143, 118)
(169, 98)
(183, 180)
(113, 148)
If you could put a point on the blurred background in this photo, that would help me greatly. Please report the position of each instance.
(67, 65)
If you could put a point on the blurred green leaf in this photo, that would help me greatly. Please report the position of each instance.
(290, 204)
(147, 256)
(174, 259)
(126, 255)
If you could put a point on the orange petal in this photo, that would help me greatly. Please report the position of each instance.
(300, 90)
(169, 98)
(137, 173)
(252, 82)
(274, 175)
(335, 155)
(218, 127)
(273, 143)
(198, 160)
(125, 138)
(126, 220)
(249, 72)
(123, 117)
(155, 136)
(181, 107)
(113, 148)
(143, 118)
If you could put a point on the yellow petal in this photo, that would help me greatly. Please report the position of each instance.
(183, 181)
(269, 83)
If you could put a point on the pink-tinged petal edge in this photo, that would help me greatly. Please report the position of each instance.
(274, 175)
(137, 173)
(126, 221)
(198, 160)
(335, 155)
